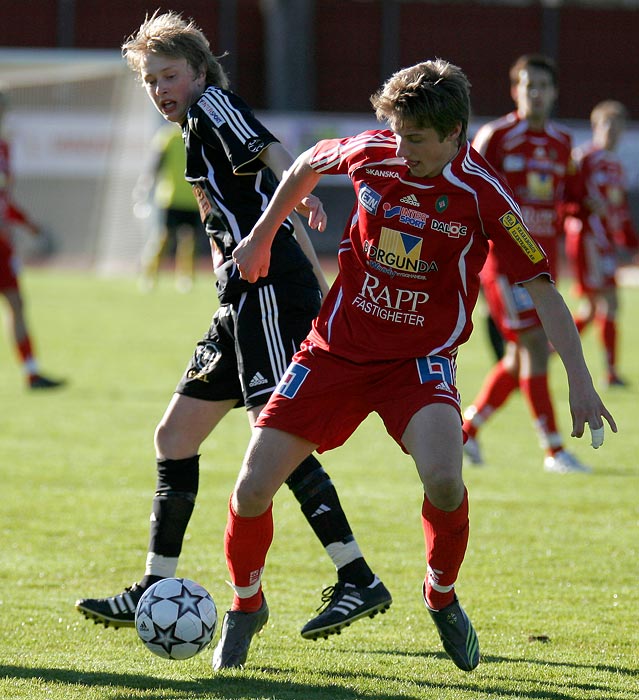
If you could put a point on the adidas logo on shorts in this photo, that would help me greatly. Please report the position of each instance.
(258, 380)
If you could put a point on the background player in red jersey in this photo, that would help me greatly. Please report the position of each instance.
(10, 216)
(233, 162)
(596, 242)
(387, 335)
(533, 155)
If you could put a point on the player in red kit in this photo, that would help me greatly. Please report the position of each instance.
(10, 216)
(593, 241)
(533, 155)
(387, 335)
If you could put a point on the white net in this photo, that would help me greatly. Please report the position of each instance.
(80, 129)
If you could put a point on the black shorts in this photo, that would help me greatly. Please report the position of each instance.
(250, 344)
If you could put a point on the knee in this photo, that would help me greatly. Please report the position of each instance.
(510, 360)
(171, 443)
(163, 440)
(445, 490)
(250, 497)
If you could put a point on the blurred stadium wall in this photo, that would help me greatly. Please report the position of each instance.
(81, 126)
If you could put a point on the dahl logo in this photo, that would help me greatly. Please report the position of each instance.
(508, 220)
(453, 229)
(441, 204)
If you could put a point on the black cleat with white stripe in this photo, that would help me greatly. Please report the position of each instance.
(117, 611)
(344, 603)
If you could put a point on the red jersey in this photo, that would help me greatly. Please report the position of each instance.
(411, 255)
(9, 212)
(604, 179)
(539, 169)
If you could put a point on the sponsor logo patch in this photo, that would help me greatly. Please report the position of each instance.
(292, 380)
(390, 304)
(541, 186)
(207, 107)
(513, 163)
(453, 229)
(521, 236)
(255, 145)
(369, 199)
(412, 217)
(399, 251)
(441, 204)
(382, 173)
(410, 199)
(207, 355)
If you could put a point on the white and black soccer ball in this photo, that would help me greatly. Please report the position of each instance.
(176, 618)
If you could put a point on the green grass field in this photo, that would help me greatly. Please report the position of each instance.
(550, 557)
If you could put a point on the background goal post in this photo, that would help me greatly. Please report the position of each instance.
(80, 129)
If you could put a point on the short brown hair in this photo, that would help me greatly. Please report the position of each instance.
(433, 94)
(533, 60)
(608, 109)
(169, 34)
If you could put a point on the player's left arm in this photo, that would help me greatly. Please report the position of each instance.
(585, 404)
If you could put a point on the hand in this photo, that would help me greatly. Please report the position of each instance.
(311, 207)
(596, 437)
(594, 417)
(253, 258)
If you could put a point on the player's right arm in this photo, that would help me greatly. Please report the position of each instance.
(278, 159)
(253, 253)
(585, 404)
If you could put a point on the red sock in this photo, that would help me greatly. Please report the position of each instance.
(446, 537)
(25, 349)
(581, 323)
(608, 332)
(246, 544)
(498, 386)
(536, 391)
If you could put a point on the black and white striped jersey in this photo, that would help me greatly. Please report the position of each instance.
(223, 141)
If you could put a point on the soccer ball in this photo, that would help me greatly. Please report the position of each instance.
(176, 618)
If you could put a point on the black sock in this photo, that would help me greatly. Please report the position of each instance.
(321, 506)
(149, 580)
(173, 504)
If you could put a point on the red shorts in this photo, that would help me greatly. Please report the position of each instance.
(511, 307)
(8, 266)
(592, 260)
(323, 398)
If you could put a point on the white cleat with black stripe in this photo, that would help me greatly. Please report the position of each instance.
(344, 603)
(117, 611)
